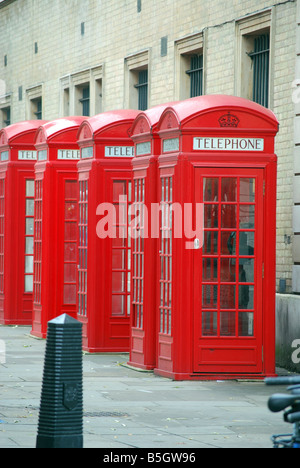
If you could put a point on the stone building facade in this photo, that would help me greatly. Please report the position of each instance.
(84, 57)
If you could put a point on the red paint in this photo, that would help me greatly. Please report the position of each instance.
(215, 309)
(56, 214)
(104, 275)
(17, 153)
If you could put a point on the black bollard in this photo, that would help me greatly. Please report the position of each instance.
(61, 409)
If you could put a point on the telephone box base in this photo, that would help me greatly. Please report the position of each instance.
(211, 376)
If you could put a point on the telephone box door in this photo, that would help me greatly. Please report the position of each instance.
(228, 272)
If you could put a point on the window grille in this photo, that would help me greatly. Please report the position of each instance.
(2, 218)
(83, 247)
(29, 235)
(261, 66)
(70, 242)
(85, 101)
(142, 88)
(38, 112)
(138, 256)
(166, 231)
(38, 217)
(196, 75)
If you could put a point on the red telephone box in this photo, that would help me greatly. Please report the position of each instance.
(55, 220)
(17, 159)
(104, 271)
(217, 183)
(144, 245)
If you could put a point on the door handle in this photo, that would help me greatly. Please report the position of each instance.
(196, 244)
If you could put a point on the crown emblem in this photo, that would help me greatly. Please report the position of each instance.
(229, 120)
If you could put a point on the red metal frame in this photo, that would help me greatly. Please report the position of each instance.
(184, 350)
(55, 238)
(104, 278)
(143, 351)
(17, 160)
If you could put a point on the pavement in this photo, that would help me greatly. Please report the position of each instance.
(128, 409)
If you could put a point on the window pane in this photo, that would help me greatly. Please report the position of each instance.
(118, 305)
(29, 264)
(210, 189)
(29, 246)
(70, 272)
(211, 216)
(247, 216)
(70, 252)
(228, 216)
(227, 296)
(29, 283)
(227, 324)
(29, 226)
(118, 282)
(246, 297)
(209, 323)
(70, 211)
(228, 270)
(209, 296)
(29, 188)
(246, 323)
(247, 243)
(29, 207)
(247, 190)
(229, 189)
(69, 294)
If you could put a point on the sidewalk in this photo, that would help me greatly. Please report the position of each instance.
(124, 408)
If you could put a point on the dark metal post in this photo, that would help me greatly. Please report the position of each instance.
(61, 409)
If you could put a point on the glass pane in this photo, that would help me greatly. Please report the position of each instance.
(229, 189)
(118, 259)
(29, 246)
(247, 243)
(118, 282)
(29, 226)
(29, 188)
(210, 269)
(29, 264)
(71, 231)
(210, 242)
(209, 296)
(246, 270)
(211, 216)
(69, 294)
(247, 190)
(70, 252)
(29, 207)
(247, 216)
(119, 188)
(228, 270)
(210, 189)
(228, 243)
(70, 272)
(209, 323)
(71, 211)
(227, 324)
(71, 189)
(246, 320)
(29, 283)
(246, 297)
(227, 296)
(118, 304)
(229, 216)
